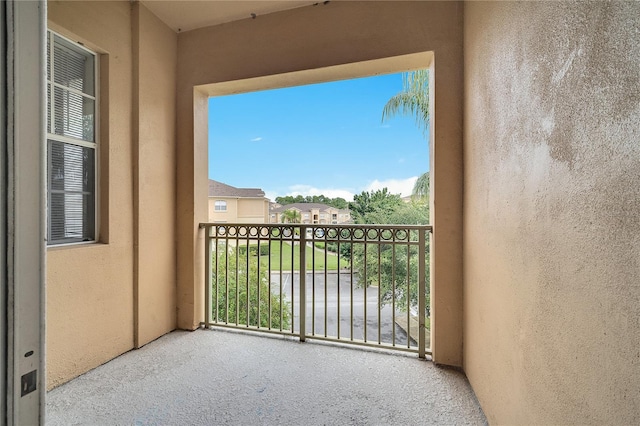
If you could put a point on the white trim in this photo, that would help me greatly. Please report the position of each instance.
(94, 145)
(72, 90)
(25, 263)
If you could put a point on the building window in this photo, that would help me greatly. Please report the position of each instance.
(220, 206)
(71, 142)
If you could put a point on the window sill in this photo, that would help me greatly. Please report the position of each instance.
(82, 244)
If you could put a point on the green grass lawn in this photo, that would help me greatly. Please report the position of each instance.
(285, 250)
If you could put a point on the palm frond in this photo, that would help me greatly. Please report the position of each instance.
(421, 187)
(412, 100)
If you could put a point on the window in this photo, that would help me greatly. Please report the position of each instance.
(220, 206)
(71, 142)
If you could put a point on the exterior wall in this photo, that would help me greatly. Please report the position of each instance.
(272, 51)
(552, 211)
(240, 210)
(90, 287)
(230, 215)
(253, 210)
(155, 58)
(103, 299)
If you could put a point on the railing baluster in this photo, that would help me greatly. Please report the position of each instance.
(338, 285)
(421, 292)
(313, 284)
(258, 276)
(393, 291)
(207, 263)
(366, 249)
(293, 265)
(379, 285)
(326, 311)
(408, 291)
(237, 278)
(226, 275)
(303, 277)
(247, 258)
(269, 278)
(351, 285)
(281, 311)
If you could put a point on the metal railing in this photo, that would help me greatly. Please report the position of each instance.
(361, 284)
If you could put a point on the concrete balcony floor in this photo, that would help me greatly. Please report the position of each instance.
(213, 377)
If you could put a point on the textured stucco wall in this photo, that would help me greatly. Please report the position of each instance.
(103, 299)
(155, 57)
(90, 287)
(244, 54)
(552, 211)
(229, 215)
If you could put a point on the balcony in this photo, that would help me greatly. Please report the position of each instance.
(220, 377)
(364, 287)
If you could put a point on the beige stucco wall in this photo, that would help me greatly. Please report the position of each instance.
(155, 56)
(105, 298)
(253, 209)
(552, 211)
(90, 287)
(289, 44)
(239, 210)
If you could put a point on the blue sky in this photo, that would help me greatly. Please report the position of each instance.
(319, 139)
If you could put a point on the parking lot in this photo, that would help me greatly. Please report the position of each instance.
(325, 298)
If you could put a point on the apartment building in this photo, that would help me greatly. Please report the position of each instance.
(229, 204)
(311, 213)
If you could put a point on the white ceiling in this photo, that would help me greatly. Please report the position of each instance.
(185, 15)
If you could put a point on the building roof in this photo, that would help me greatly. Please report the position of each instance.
(219, 189)
(305, 207)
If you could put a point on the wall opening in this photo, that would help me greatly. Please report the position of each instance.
(305, 153)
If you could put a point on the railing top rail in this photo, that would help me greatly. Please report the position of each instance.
(317, 225)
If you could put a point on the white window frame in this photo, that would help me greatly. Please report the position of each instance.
(220, 206)
(51, 35)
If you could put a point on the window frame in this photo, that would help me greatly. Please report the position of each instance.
(68, 140)
(220, 203)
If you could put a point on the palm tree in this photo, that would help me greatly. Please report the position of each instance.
(291, 216)
(412, 100)
(421, 187)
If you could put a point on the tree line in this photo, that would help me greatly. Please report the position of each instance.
(338, 202)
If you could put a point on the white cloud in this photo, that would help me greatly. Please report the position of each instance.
(258, 139)
(395, 186)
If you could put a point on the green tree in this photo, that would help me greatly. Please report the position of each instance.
(412, 100)
(338, 202)
(289, 199)
(231, 284)
(394, 271)
(291, 216)
(382, 202)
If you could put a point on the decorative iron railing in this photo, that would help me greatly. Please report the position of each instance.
(361, 284)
